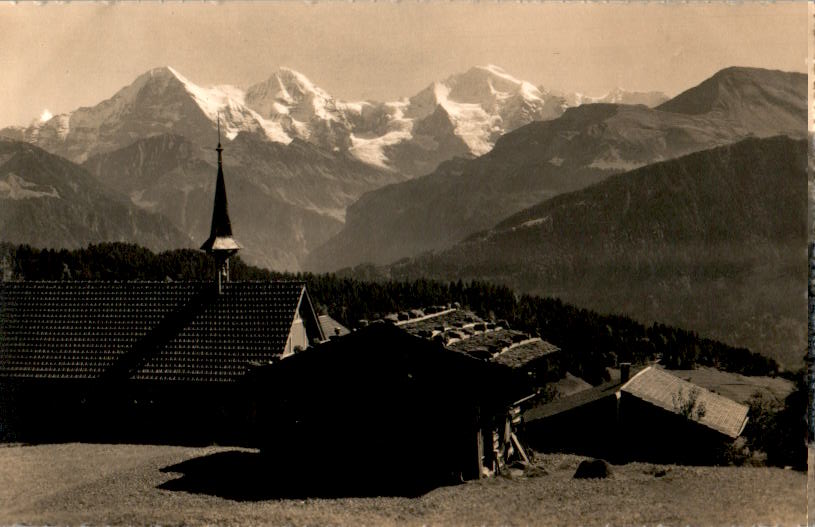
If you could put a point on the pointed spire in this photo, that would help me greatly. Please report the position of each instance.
(219, 149)
(220, 241)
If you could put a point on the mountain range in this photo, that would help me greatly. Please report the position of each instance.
(286, 199)
(714, 241)
(542, 159)
(296, 157)
(461, 115)
(682, 210)
(47, 201)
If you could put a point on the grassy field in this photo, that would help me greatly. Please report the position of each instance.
(142, 484)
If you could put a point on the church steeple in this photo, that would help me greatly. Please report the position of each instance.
(220, 244)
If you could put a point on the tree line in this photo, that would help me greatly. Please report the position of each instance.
(591, 341)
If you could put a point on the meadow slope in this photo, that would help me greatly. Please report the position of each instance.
(124, 484)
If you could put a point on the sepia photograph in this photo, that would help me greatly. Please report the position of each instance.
(406, 263)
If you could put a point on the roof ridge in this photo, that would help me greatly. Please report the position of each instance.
(425, 317)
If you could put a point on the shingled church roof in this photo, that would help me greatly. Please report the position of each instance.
(150, 331)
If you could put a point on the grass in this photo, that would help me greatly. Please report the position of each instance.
(125, 485)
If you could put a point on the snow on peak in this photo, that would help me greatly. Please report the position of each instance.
(290, 93)
(618, 95)
(227, 103)
(497, 71)
(486, 85)
(475, 107)
(303, 84)
(482, 103)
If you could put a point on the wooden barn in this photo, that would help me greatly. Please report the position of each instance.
(533, 362)
(161, 360)
(653, 416)
(385, 405)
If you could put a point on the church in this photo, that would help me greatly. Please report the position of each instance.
(145, 360)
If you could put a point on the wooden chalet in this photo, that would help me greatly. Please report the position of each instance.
(646, 417)
(426, 396)
(532, 360)
(383, 405)
(154, 358)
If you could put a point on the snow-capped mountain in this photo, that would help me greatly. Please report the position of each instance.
(152, 142)
(615, 96)
(585, 145)
(157, 102)
(462, 115)
(289, 144)
(482, 104)
(302, 110)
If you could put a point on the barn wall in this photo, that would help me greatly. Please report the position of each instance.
(650, 433)
(624, 430)
(378, 404)
(589, 430)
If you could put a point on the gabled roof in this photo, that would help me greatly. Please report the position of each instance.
(660, 388)
(331, 327)
(581, 398)
(379, 357)
(151, 331)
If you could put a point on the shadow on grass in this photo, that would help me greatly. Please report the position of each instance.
(252, 476)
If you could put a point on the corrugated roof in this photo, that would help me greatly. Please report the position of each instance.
(662, 389)
(177, 331)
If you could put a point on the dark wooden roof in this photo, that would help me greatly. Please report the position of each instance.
(523, 353)
(380, 358)
(576, 400)
(151, 331)
(466, 333)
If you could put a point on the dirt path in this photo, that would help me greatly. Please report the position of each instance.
(124, 484)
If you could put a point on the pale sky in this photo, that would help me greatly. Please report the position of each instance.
(64, 56)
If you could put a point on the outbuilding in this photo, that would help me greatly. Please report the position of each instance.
(388, 406)
(653, 416)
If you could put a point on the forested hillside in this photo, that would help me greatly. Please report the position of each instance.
(591, 341)
(713, 241)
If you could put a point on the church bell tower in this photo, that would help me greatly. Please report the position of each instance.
(220, 244)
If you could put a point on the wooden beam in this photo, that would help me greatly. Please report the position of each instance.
(518, 446)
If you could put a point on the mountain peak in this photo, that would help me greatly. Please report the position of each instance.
(745, 95)
(161, 73)
(494, 71)
(288, 86)
(482, 85)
